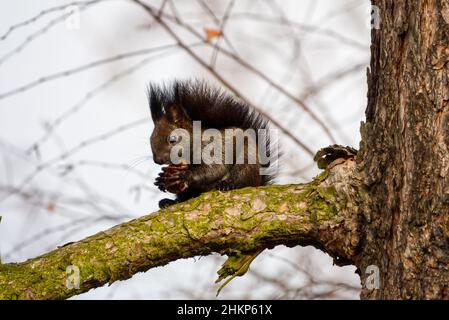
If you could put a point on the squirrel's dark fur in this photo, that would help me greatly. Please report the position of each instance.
(177, 106)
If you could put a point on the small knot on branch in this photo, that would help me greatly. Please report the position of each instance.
(327, 156)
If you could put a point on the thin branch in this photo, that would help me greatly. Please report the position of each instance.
(220, 78)
(93, 201)
(84, 67)
(243, 63)
(221, 32)
(302, 27)
(51, 127)
(43, 13)
(331, 78)
(43, 30)
(105, 165)
(217, 21)
(77, 148)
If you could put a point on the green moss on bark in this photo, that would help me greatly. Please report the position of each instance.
(245, 220)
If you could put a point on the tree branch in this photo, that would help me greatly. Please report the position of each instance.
(322, 213)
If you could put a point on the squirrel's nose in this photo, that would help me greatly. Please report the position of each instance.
(158, 160)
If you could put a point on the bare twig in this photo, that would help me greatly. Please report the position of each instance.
(84, 67)
(91, 94)
(219, 77)
(302, 27)
(74, 150)
(43, 30)
(43, 13)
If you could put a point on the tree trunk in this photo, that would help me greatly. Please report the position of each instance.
(404, 160)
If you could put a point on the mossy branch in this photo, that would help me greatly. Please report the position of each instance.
(322, 213)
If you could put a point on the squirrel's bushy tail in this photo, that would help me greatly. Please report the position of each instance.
(215, 109)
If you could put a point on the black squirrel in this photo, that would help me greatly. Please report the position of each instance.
(176, 107)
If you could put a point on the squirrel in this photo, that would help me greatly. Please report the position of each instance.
(175, 110)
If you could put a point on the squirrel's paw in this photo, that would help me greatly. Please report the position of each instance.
(225, 185)
(173, 179)
(164, 203)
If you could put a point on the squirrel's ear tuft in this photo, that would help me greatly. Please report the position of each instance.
(176, 114)
(155, 100)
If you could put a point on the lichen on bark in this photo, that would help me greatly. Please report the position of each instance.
(320, 213)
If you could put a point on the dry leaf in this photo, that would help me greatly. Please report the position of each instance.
(212, 33)
(51, 206)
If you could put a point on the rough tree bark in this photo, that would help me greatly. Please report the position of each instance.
(404, 159)
(389, 209)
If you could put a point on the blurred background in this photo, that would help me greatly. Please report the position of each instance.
(75, 157)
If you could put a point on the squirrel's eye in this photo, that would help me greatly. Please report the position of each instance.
(172, 139)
